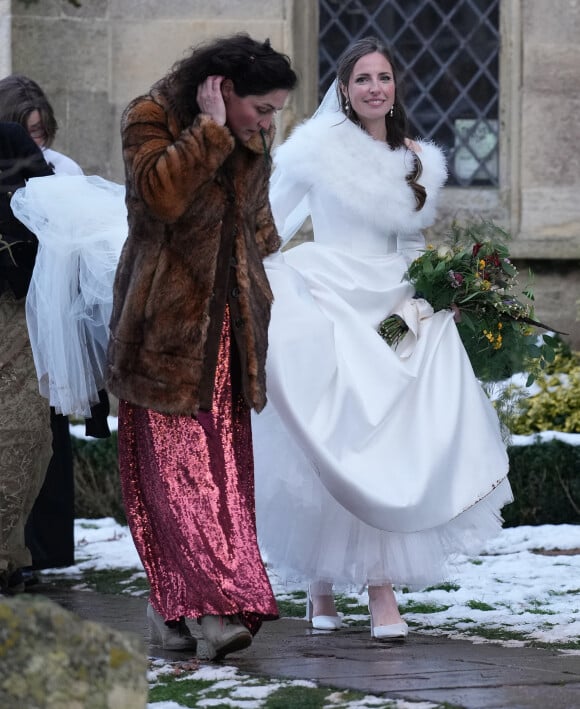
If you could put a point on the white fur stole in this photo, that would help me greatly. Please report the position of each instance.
(332, 154)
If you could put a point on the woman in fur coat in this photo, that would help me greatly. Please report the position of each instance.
(188, 337)
(373, 465)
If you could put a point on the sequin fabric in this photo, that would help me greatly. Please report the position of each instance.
(188, 490)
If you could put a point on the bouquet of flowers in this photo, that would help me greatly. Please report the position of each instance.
(472, 275)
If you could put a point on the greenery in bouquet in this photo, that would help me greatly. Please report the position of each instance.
(472, 274)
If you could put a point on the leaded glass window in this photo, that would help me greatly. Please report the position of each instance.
(447, 52)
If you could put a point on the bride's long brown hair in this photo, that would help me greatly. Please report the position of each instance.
(397, 124)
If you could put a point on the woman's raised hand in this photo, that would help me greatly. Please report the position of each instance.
(210, 99)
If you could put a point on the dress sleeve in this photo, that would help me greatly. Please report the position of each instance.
(410, 246)
(290, 204)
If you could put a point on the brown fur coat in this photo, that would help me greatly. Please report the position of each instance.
(199, 226)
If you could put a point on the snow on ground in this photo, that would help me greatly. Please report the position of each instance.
(518, 583)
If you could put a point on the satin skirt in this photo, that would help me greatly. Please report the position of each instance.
(372, 465)
(188, 490)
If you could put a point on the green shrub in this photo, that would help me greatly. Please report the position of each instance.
(545, 478)
(556, 407)
(97, 486)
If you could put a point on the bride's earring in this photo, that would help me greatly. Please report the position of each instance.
(391, 112)
(347, 106)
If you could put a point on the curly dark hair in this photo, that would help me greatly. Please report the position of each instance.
(397, 124)
(253, 67)
(19, 97)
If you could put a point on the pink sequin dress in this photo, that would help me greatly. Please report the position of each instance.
(188, 489)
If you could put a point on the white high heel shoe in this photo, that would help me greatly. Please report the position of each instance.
(394, 631)
(321, 622)
(178, 637)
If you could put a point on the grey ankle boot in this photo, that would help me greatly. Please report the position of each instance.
(175, 637)
(224, 634)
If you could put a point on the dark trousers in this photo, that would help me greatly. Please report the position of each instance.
(49, 531)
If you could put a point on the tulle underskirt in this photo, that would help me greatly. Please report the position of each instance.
(305, 534)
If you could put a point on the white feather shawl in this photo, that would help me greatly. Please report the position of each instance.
(331, 154)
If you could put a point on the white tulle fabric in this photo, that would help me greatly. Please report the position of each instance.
(81, 225)
(371, 465)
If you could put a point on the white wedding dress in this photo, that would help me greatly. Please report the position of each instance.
(372, 465)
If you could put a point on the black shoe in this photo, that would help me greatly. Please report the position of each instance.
(15, 583)
(29, 577)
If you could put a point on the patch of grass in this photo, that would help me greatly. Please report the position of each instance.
(418, 607)
(350, 606)
(118, 581)
(113, 581)
(289, 609)
(569, 645)
(539, 609)
(293, 595)
(479, 606)
(476, 562)
(295, 697)
(463, 620)
(191, 692)
(358, 622)
(572, 591)
(187, 692)
(292, 604)
(447, 586)
(484, 631)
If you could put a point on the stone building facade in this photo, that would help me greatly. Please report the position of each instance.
(91, 60)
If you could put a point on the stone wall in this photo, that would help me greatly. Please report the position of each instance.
(5, 38)
(91, 61)
(546, 130)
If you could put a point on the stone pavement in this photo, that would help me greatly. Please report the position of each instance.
(435, 669)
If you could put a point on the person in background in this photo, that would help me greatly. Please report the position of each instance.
(373, 465)
(25, 435)
(188, 337)
(22, 100)
(50, 527)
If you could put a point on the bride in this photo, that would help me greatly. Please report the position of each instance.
(373, 466)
